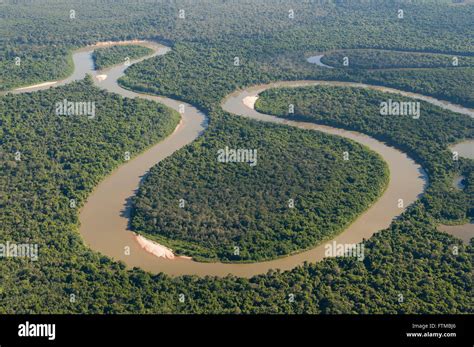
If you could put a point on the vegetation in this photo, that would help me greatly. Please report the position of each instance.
(73, 151)
(382, 59)
(426, 139)
(66, 157)
(256, 36)
(238, 204)
(108, 56)
(24, 65)
(451, 84)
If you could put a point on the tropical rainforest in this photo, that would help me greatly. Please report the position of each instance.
(425, 138)
(108, 56)
(380, 59)
(299, 193)
(63, 158)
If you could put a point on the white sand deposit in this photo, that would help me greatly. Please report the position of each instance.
(116, 43)
(250, 101)
(158, 250)
(101, 78)
(39, 85)
(154, 248)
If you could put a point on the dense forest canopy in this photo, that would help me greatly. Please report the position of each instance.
(24, 65)
(382, 59)
(237, 204)
(109, 56)
(426, 138)
(411, 257)
(64, 158)
(256, 29)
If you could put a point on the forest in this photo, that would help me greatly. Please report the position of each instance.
(426, 139)
(259, 31)
(410, 258)
(451, 84)
(381, 59)
(22, 65)
(64, 158)
(109, 56)
(230, 205)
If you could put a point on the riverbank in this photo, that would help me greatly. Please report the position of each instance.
(104, 218)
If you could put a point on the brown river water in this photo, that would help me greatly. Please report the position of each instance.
(104, 217)
(465, 149)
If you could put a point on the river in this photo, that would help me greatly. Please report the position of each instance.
(104, 217)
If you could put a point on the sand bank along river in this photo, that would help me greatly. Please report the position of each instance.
(316, 59)
(104, 217)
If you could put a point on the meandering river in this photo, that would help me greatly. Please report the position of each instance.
(104, 217)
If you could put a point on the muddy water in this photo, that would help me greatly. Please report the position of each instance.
(316, 59)
(465, 149)
(464, 232)
(441, 103)
(104, 218)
